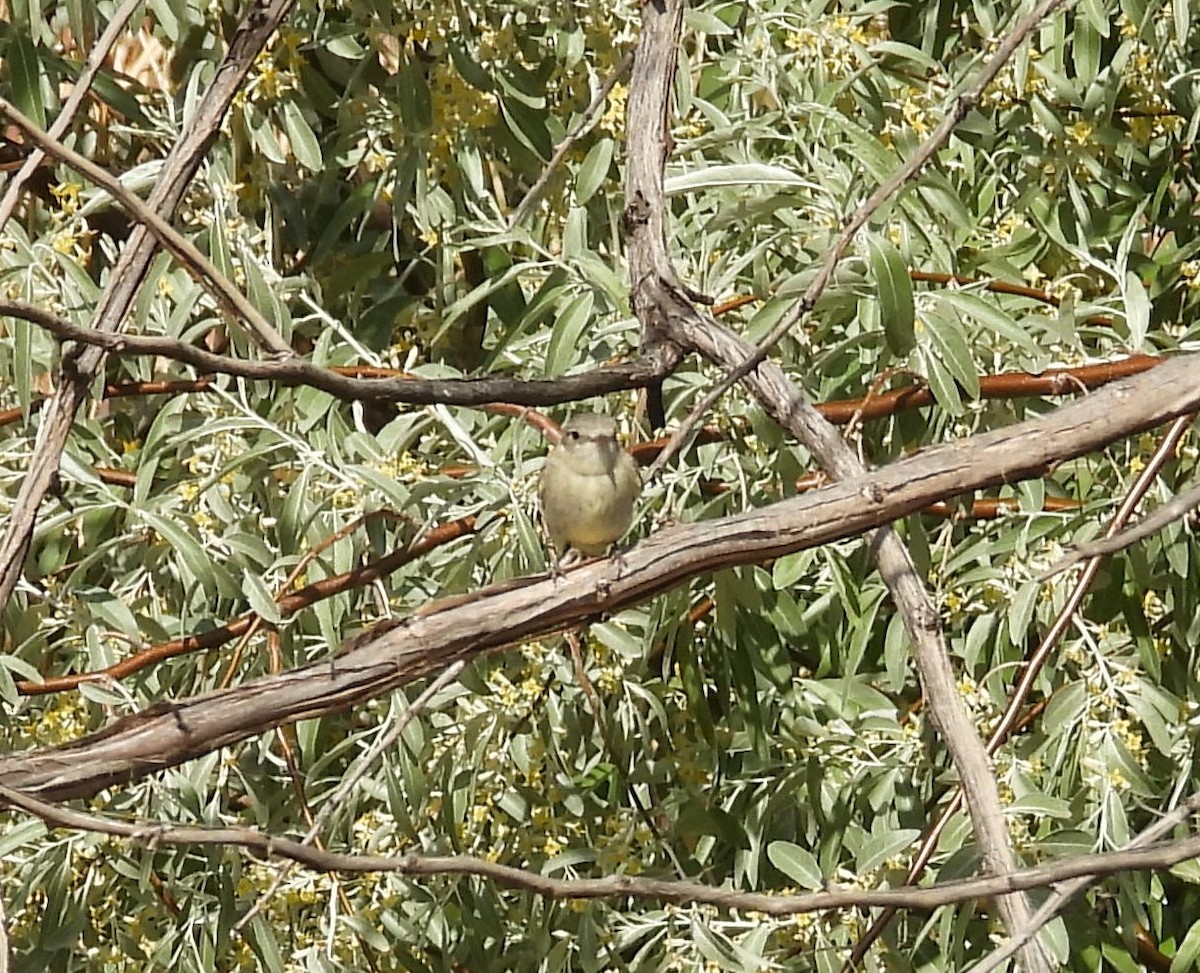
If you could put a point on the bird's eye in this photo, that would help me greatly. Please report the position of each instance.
(574, 433)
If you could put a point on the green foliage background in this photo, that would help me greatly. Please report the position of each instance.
(362, 193)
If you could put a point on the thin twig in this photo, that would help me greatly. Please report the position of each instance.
(293, 371)
(882, 194)
(1061, 894)
(337, 799)
(575, 644)
(582, 127)
(1083, 869)
(235, 304)
(79, 91)
(1152, 523)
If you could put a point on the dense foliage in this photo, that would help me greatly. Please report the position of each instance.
(362, 193)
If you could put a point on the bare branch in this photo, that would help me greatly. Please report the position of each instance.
(962, 104)
(292, 371)
(79, 91)
(495, 390)
(581, 127)
(1084, 869)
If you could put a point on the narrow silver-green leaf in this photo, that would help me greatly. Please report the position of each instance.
(594, 170)
(1137, 310)
(260, 598)
(25, 72)
(193, 556)
(563, 351)
(877, 849)
(946, 336)
(305, 146)
(894, 290)
(940, 383)
(988, 312)
(741, 174)
(796, 863)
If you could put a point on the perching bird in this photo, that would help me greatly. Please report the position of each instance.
(589, 487)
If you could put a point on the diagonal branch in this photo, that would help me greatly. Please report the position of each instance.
(169, 733)
(1030, 670)
(78, 369)
(232, 302)
(585, 122)
(662, 306)
(884, 192)
(790, 409)
(66, 115)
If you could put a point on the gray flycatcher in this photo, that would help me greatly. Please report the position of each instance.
(589, 487)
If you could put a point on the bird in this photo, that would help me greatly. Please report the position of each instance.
(589, 487)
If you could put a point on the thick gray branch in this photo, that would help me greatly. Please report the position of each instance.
(169, 733)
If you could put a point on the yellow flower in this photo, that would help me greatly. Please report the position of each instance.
(1080, 132)
(67, 196)
(613, 119)
(64, 242)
